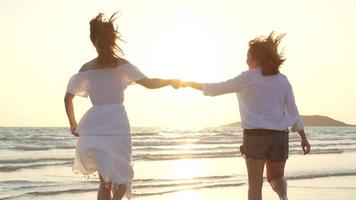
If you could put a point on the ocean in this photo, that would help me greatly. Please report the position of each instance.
(35, 162)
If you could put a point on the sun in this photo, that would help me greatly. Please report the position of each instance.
(193, 45)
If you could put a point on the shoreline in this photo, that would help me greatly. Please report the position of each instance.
(328, 188)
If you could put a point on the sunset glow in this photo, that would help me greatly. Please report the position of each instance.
(194, 41)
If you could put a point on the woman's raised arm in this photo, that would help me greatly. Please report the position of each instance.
(219, 88)
(155, 83)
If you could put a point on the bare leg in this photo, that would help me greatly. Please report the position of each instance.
(275, 177)
(104, 193)
(255, 178)
(119, 191)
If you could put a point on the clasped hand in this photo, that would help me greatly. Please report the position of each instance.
(175, 83)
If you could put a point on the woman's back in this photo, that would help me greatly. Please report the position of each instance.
(264, 101)
(104, 85)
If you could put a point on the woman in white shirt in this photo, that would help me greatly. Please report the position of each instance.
(267, 109)
(105, 144)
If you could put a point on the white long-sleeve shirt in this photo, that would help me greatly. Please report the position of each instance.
(266, 102)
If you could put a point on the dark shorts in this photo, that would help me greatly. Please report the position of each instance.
(266, 144)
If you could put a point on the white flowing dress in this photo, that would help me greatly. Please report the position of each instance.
(104, 142)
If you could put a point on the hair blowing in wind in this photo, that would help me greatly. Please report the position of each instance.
(265, 51)
(103, 36)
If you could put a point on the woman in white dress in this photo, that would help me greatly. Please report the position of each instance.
(104, 138)
(267, 108)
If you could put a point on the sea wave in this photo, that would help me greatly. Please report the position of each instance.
(158, 145)
(9, 165)
(151, 187)
(32, 160)
(9, 168)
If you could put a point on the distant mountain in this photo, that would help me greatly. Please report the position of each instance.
(309, 120)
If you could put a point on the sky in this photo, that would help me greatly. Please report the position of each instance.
(45, 42)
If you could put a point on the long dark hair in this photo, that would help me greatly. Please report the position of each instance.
(264, 50)
(103, 35)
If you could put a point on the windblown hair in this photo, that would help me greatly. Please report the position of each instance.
(104, 35)
(264, 50)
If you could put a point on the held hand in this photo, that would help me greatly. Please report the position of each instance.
(175, 83)
(72, 129)
(305, 146)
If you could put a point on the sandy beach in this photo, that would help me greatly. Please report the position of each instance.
(331, 188)
(326, 188)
